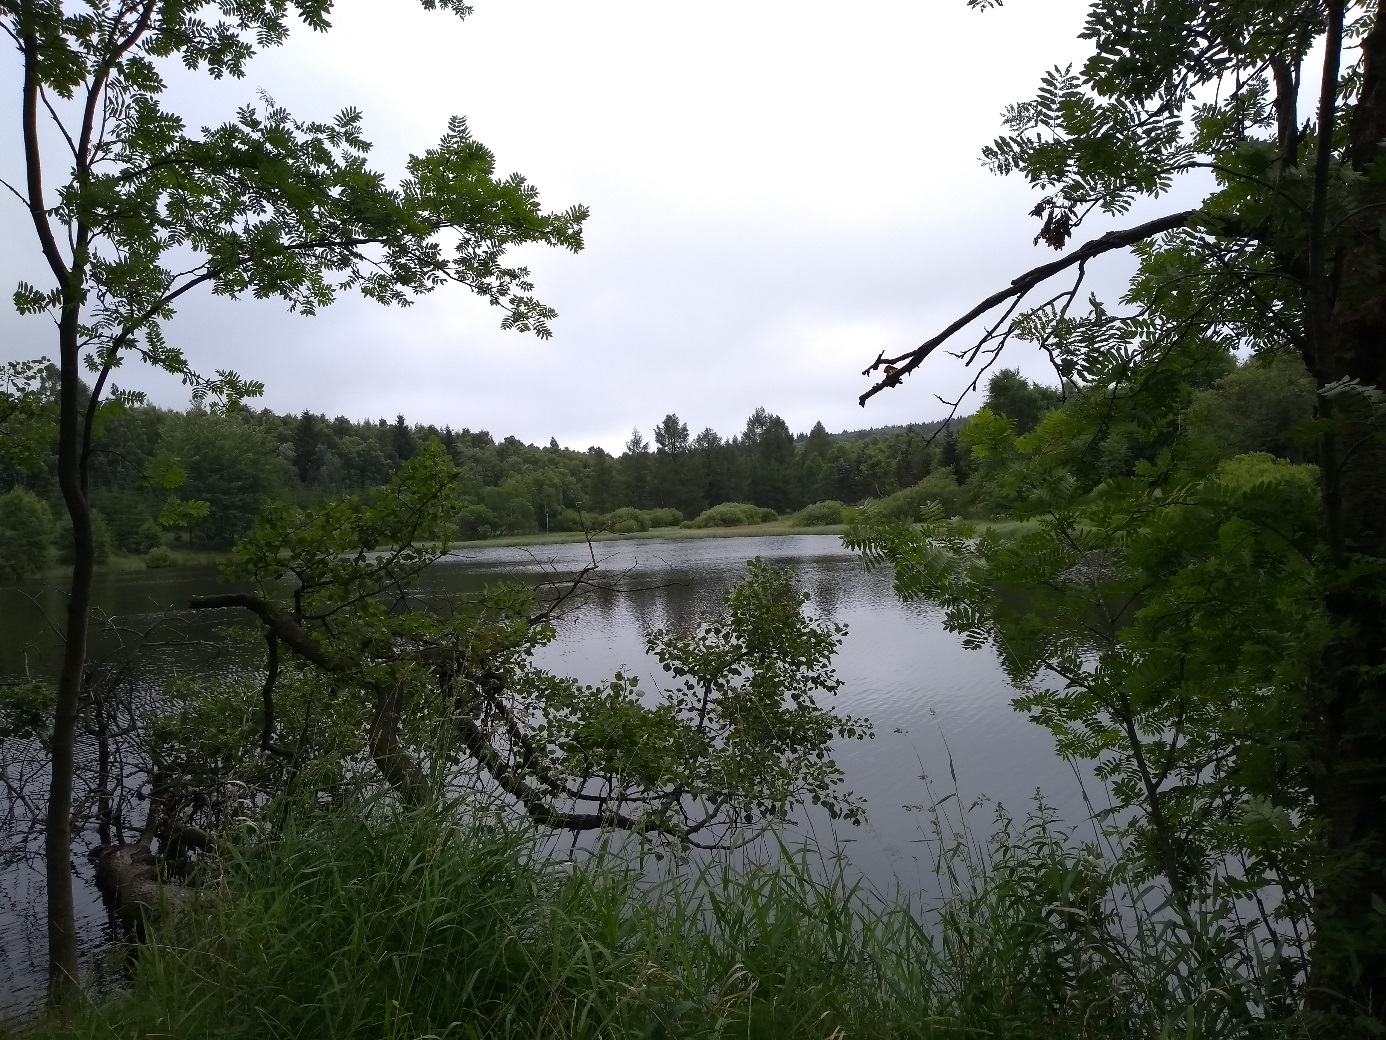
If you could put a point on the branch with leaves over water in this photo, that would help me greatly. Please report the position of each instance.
(735, 740)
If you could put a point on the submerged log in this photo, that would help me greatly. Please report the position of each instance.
(128, 877)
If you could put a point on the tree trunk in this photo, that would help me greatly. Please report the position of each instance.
(1348, 725)
(62, 923)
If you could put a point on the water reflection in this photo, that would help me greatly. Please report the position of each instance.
(939, 711)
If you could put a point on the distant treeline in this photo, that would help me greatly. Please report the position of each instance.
(237, 460)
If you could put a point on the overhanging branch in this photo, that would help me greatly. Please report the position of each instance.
(898, 367)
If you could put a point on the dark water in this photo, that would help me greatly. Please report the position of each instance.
(940, 711)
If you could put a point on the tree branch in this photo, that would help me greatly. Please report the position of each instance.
(1019, 287)
(33, 165)
(279, 622)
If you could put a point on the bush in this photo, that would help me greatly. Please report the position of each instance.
(663, 517)
(732, 514)
(821, 514)
(158, 557)
(566, 520)
(629, 520)
(511, 506)
(477, 521)
(27, 533)
(101, 536)
(626, 520)
(907, 505)
(131, 518)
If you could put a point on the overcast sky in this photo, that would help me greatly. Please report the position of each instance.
(779, 190)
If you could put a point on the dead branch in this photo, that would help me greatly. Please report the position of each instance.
(898, 367)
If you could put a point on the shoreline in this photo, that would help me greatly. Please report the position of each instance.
(184, 559)
(667, 534)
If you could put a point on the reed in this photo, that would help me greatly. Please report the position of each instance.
(368, 924)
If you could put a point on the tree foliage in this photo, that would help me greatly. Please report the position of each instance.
(131, 210)
(434, 693)
(1209, 615)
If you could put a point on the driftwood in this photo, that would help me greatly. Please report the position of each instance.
(128, 876)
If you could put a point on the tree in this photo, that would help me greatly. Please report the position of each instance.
(769, 447)
(1262, 406)
(402, 441)
(26, 533)
(231, 466)
(634, 466)
(146, 211)
(602, 489)
(307, 441)
(818, 442)
(672, 479)
(1012, 395)
(1284, 255)
(736, 737)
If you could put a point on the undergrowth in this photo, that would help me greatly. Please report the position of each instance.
(378, 925)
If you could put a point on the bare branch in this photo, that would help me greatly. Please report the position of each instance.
(1113, 240)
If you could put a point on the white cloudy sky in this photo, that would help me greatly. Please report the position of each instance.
(779, 190)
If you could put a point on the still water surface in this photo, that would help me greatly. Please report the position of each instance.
(940, 711)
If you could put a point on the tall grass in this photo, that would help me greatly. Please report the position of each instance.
(361, 925)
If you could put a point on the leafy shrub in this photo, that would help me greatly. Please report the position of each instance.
(566, 520)
(158, 557)
(477, 521)
(101, 536)
(907, 505)
(732, 514)
(512, 505)
(821, 514)
(26, 534)
(131, 518)
(626, 520)
(629, 520)
(663, 517)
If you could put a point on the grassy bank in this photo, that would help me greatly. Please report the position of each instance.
(767, 530)
(658, 533)
(128, 563)
(344, 926)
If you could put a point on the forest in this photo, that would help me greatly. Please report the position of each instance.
(237, 460)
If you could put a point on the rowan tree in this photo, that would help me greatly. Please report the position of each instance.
(1284, 255)
(132, 210)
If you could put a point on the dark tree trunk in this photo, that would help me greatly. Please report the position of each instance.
(62, 926)
(1348, 726)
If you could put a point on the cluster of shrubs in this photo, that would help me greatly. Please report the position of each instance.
(629, 520)
(32, 537)
(732, 514)
(906, 505)
(478, 521)
(35, 535)
(821, 514)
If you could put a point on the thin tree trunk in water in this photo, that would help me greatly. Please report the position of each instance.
(62, 924)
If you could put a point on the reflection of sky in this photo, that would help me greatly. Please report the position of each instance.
(935, 706)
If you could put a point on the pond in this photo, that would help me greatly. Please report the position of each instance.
(942, 715)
